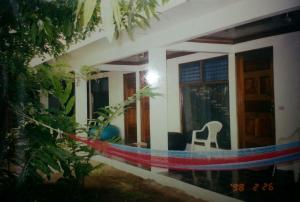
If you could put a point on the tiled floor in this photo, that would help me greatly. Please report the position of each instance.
(247, 185)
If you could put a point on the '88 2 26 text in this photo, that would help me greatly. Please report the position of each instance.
(241, 187)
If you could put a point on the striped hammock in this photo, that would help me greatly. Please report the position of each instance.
(200, 160)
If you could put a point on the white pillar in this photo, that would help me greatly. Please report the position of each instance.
(158, 105)
(116, 96)
(232, 101)
(81, 101)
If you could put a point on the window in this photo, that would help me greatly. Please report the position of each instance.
(216, 69)
(190, 72)
(97, 96)
(205, 96)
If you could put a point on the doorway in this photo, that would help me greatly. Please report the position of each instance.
(98, 96)
(145, 112)
(255, 98)
(130, 114)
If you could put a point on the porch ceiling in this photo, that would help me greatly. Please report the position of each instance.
(178, 24)
(185, 11)
(170, 15)
(142, 58)
(279, 24)
(283, 23)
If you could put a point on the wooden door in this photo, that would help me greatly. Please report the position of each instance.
(130, 114)
(255, 93)
(145, 113)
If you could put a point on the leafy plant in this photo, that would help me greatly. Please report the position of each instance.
(40, 28)
(7, 158)
(118, 15)
(109, 113)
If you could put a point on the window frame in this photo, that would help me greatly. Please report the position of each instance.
(202, 82)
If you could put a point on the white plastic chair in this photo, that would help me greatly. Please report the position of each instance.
(214, 127)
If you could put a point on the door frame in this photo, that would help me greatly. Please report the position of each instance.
(240, 96)
(126, 133)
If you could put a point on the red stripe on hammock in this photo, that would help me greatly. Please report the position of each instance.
(148, 160)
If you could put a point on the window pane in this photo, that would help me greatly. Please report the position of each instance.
(99, 96)
(189, 72)
(205, 103)
(216, 69)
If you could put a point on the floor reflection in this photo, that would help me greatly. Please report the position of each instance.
(247, 185)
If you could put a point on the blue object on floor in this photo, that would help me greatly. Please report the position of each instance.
(109, 132)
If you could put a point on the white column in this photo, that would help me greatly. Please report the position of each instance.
(81, 101)
(232, 101)
(158, 105)
(116, 96)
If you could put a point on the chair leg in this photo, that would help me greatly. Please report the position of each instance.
(209, 178)
(195, 179)
(296, 170)
(274, 170)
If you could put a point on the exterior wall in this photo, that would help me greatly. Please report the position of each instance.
(101, 51)
(286, 66)
(286, 84)
(116, 96)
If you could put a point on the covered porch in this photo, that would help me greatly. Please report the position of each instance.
(200, 40)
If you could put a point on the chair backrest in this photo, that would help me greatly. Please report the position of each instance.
(214, 128)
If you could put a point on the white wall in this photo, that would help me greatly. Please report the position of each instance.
(201, 24)
(116, 96)
(286, 49)
(286, 84)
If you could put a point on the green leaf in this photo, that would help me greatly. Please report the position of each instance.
(66, 168)
(49, 160)
(117, 13)
(70, 105)
(78, 9)
(41, 166)
(82, 169)
(60, 153)
(107, 16)
(88, 10)
(67, 92)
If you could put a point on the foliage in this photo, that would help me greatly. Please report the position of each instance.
(48, 27)
(7, 150)
(119, 15)
(40, 27)
(58, 81)
(47, 153)
(109, 113)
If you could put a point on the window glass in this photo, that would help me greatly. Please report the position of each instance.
(207, 101)
(190, 72)
(98, 96)
(216, 69)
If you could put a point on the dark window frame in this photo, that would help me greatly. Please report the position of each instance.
(200, 83)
